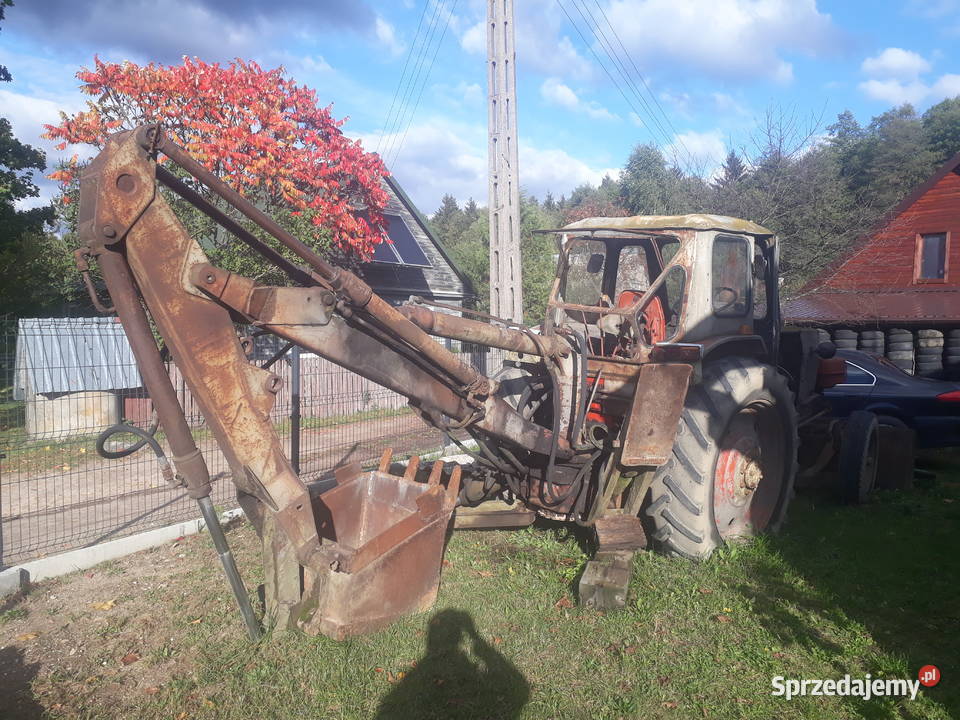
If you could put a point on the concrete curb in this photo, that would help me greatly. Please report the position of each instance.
(14, 579)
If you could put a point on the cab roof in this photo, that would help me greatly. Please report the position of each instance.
(695, 221)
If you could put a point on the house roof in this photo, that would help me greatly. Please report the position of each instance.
(823, 277)
(907, 307)
(58, 355)
(695, 221)
(821, 304)
(422, 222)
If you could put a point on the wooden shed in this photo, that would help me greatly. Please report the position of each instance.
(899, 283)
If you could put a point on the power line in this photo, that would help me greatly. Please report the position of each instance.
(621, 68)
(426, 78)
(406, 62)
(642, 78)
(609, 74)
(413, 80)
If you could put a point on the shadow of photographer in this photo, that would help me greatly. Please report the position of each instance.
(454, 681)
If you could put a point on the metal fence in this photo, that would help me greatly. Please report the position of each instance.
(62, 381)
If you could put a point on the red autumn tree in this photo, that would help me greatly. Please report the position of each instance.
(257, 130)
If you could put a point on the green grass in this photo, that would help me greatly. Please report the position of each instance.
(857, 590)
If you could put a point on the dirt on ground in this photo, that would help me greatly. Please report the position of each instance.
(104, 633)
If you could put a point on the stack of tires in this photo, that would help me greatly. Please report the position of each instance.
(900, 349)
(929, 353)
(824, 336)
(871, 341)
(845, 339)
(951, 355)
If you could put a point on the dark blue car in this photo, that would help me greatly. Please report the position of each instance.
(930, 407)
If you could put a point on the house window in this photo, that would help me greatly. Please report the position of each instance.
(931, 261)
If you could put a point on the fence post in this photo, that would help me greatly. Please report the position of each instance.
(295, 408)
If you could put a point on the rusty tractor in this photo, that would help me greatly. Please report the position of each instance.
(657, 402)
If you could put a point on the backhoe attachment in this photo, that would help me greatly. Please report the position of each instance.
(351, 558)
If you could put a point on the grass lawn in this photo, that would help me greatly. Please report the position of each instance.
(858, 590)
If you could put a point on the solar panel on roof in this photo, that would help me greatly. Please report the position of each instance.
(404, 244)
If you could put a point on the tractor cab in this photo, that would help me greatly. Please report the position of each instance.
(633, 284)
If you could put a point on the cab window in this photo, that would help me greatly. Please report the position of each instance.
(731, 268)
(632, 272)
(585, 264)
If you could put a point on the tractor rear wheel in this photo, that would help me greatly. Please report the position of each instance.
(733, 463)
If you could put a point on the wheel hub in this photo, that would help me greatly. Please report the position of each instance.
(740, 502)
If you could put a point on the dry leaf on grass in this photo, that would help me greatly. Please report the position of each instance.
(152, 690)
(108, 605)
(485, 573)
(130, 658)
(705, 591)
(723, 618)
(670, 704)
(196, 622)
(563, 603)
(26, 636)
(497, 641)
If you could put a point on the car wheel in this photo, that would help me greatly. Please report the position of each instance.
(859, 452)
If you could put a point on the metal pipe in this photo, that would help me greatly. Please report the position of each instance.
(481, 333)
(297, 273)
(295, 409)
(186, 457)
(183, 159)
(229, 567)
(359, 293)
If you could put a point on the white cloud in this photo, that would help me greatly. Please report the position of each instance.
(556, 171)
(474, 40)
(440, 157)
(895, 92)
(729, 39)
(387, 37)
(698, 152)
(556, 93)
(27, 116)
(895, 78)
(896, 63)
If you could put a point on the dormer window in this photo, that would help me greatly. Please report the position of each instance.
(931, 260)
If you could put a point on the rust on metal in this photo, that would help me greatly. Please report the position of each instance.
(655, 413)
(481, 333)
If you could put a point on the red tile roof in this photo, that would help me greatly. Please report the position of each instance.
(915, 306)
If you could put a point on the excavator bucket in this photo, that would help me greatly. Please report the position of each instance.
(385, 536)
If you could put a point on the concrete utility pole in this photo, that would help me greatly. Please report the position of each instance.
(506, 276)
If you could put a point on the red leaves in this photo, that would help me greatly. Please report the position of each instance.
(258, 130)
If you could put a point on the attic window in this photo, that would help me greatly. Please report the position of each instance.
(931, 260)
(404, 250)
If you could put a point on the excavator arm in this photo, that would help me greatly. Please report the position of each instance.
(154, 271)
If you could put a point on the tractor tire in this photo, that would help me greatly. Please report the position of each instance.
(733, 464)
(859, 453)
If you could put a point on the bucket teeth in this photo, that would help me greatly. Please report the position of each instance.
(453, 485)
(385, 460)
(435, 473)
(412, 466)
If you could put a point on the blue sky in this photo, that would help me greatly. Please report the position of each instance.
(707, 71)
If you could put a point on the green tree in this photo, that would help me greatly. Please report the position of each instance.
(4, 72)
(942, 125)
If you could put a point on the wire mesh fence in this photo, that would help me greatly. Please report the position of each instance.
(64, 380)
